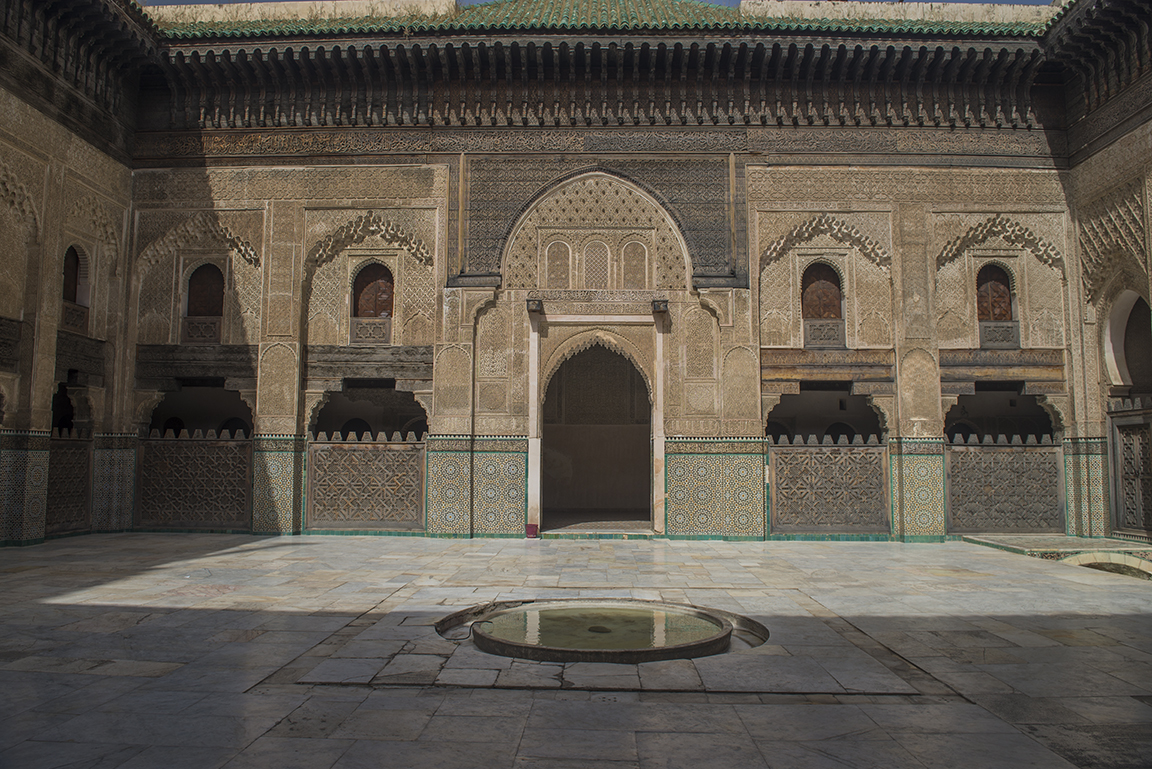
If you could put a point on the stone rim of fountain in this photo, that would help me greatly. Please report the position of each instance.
(750, 631)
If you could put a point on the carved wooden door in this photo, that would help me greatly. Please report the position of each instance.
(993, 295)
(373, 292)
(1135, 502)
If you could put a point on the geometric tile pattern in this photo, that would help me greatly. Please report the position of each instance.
(277, 485)
(918, 487)
(448, 483)
(715, 495)
(113, 487)
(1086, 487)
(69, 487)
(35, 492)
(501, 493)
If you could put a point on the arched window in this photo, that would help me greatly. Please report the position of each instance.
(71, 274)
(820, 297)
(372, 292)
(993, 294)
(372, 295)
(596, 258)
(205, 311)
(206, 292)
(74, 315)
(822, 307)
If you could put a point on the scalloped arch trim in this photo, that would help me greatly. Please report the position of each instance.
(88, 209)
(360, 229)
(202, 225)
(825, 224)
(1011, 232)
(587, 340)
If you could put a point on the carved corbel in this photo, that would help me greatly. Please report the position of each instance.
(146, 403)
(946, 404)
(314, 402)
(476, 300)
(719, 301)
(1059, 408)
(424, 398)
(885, 408)
(768, 401)
(8, 404)
(249, 398)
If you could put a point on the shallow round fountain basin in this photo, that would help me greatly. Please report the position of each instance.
(607, 630)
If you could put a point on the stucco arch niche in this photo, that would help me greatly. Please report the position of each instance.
(603, 207)
(1116, 364)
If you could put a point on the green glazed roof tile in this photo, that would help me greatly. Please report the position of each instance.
(587, 16)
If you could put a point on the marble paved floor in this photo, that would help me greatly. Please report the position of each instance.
(203, 651)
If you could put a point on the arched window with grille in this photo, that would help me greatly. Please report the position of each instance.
(822, 306)
(373, 293)
(994, 308)
(204, 316)
(74, 314)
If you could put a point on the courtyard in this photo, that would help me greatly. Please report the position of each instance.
(201, 650)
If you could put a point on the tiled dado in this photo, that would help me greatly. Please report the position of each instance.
(23, 486)
(476, 487)
(278, 484)
(715, 489)
(113, 481)
(1086, 487)
(917, 483)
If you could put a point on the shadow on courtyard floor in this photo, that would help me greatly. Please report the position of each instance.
(199, 650)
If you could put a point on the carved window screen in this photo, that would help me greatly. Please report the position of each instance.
(206, 292)
(372, 292)
(993, 294)
(820, 297)
(596, 258)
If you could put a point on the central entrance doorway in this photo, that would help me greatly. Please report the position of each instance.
(596, 457)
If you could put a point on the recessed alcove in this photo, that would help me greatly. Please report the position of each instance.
(824, 409)
(995, 409)
(202, 408)
(374, 406)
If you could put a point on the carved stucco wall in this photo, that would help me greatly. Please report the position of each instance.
(56, 191)
(231, 240)
(597, 216)
(286, 237)
(400, 240)
(857, 245)
(1109, 192)
(597, 246)
(1029, 247)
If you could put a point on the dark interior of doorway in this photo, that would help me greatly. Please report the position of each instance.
(596, 449)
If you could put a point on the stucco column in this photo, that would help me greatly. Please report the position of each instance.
(534, 426)
(278, 449)
(659, 465)
(916, 436)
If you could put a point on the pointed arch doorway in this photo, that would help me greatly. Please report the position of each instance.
(596, 448)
